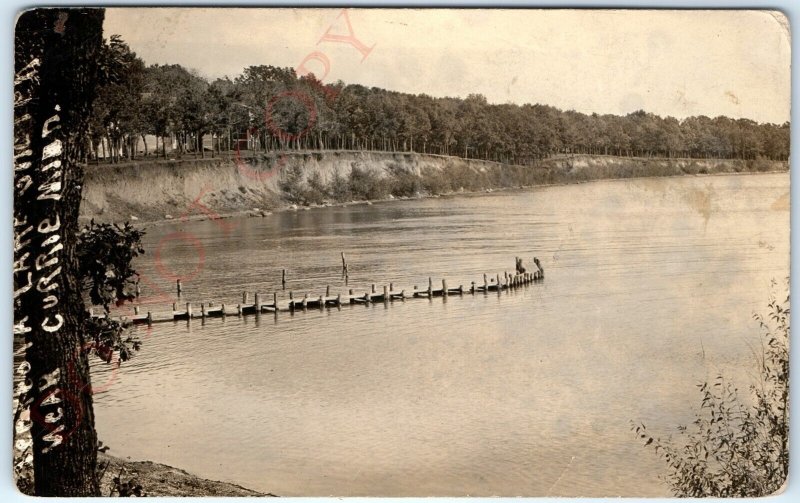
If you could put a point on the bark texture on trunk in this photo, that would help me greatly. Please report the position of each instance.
(56, 73)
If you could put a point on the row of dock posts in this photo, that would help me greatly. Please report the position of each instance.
(496, 284)
(137, 319)
(388, 294)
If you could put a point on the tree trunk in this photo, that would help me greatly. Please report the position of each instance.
(56, 75)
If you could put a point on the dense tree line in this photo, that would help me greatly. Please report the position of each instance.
(283, 110)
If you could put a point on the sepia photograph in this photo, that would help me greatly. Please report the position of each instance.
(400, 252)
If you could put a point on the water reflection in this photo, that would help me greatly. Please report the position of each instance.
(519, 393)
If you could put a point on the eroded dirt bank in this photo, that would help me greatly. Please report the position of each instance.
(167, 189)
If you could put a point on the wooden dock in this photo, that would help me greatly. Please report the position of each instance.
(387, 293)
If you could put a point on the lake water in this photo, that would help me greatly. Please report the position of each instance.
(650, 288)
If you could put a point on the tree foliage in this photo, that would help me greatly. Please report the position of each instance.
(105, 255)
(282, 110)
(737, 445)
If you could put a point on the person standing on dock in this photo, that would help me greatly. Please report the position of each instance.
(520, 268)
(539, 266)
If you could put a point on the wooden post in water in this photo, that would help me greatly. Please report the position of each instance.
(498, 282)
(283, 278)
(327, 291)
(222, 309)
(275, 300)
(391, 287)
(485, 283)
(136, 310)
(238, 310)
(373, 288)
(339, 300)
(472, 288)
(344, 266)
(257, 305)
(174, 307)
(351, 292)
(189, 310)
(430, 287)
(202, 310)
(444, 287)
(244, 298)
(149, 318)
(385, 293)
(178, 284)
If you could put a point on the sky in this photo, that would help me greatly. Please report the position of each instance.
(677, 63)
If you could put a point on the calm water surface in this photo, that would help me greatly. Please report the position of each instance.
(650, 288)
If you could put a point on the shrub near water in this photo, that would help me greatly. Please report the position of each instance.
(736, 447)
(366, 184)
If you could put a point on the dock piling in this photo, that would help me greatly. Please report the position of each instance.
(283, 278)
(508, 280)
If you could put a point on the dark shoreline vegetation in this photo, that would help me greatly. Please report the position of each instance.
(738, 444)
